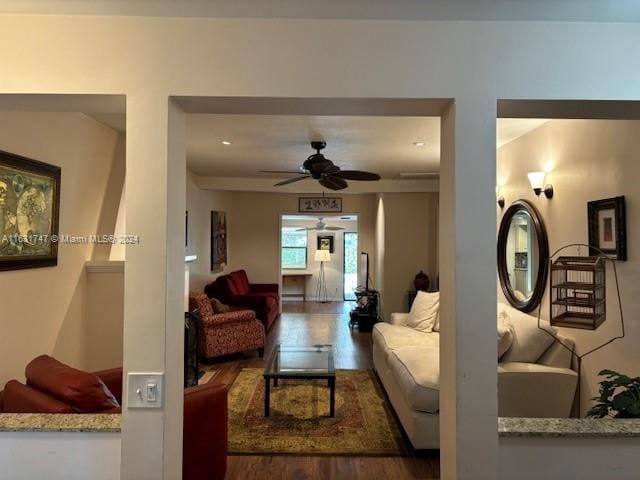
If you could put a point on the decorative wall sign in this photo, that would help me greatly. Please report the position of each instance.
(608, 227)
(320, 204)
(325, 242)
(218, 240)
(29, 212)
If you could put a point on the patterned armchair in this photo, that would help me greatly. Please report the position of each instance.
(225, 333)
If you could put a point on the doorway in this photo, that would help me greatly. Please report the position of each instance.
(305, 277)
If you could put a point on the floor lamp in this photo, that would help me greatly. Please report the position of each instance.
(321, 289)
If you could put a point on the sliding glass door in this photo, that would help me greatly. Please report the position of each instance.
(350, 264)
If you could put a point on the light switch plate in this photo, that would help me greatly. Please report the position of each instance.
(145, 389)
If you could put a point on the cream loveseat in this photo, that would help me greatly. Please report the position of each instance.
(407, 362)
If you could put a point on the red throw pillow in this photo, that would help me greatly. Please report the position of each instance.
(84, 391)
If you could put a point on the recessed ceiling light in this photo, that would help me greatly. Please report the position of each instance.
(226, 142)
(419, 144)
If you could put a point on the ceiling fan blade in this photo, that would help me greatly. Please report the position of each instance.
(291, 180)
(330, 170)
(303, 229)
(333, 183)
(299, 172)
(358, 175)
(333, 228)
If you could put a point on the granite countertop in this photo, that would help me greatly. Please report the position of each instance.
(569, 427)
(56, 422)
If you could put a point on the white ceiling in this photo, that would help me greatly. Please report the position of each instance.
(549, 10)
(281, 142)
(508, 129)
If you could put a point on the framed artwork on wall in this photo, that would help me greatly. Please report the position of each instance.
(608, 227)
(218, 240)
(325, 242)
(29, 212)
(320, 204)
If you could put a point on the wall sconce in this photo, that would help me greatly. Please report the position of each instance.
(537, 183)
(499, 198)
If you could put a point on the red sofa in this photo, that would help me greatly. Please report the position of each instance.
(53, 387)
(235, 290)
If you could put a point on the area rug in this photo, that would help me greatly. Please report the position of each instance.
(299, 422)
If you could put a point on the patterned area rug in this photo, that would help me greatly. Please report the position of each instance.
(300, 424)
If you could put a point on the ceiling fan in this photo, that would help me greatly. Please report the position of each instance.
(319, 226)
(320, 168)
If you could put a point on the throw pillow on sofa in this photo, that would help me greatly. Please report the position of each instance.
(505, 334)
(84, 391)
(218, 306)
(424, 311)
(529, 341)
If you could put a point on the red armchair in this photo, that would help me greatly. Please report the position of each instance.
(234, 289)
(53, 387)
(225, 333)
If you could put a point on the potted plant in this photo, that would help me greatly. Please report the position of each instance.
(619, 396)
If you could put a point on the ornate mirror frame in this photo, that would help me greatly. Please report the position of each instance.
(543, 255)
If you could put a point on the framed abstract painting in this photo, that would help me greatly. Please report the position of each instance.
(218, 240)
(29, 212)
(608, 227)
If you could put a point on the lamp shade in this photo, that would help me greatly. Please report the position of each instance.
(322, 256)
(536, 179)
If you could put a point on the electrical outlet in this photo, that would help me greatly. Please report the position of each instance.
(144, 390)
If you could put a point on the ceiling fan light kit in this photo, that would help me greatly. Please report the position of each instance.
(320, 226)
(329, 175)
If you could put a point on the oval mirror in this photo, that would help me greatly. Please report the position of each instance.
(523, 253)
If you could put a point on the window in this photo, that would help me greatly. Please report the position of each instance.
(294, 249)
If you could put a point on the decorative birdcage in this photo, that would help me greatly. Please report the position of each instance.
(578, 292)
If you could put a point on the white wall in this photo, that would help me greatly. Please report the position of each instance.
(45, 310)
(411, 245)
(559, 458)
(253, 225)
(200, 203)
(59, 455)
(591, 160)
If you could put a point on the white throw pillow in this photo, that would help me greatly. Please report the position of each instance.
(529, 341)
(436, 325)
(505, 334)
(424, 311)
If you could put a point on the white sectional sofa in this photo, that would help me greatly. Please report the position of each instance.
(407, 362)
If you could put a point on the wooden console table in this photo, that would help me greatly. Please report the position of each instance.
(299, 279)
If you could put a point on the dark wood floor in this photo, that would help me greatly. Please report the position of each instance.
(317, 307)
(318, 324)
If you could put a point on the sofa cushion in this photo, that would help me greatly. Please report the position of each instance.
(424, 311)
(218, 306)
(238, 283)
(243, 280)
(84, 391)
(505, 334)
(529, 341)
(416, 371)
(19, 398)
(436, 325)
(391, 337)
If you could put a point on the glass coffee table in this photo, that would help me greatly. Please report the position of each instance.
(302, 363)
